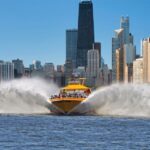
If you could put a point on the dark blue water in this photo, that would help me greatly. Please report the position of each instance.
(42, 132)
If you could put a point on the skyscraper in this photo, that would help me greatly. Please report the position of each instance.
(117, 64)
(146, 60)
(18, 67)
(124, 24)
(97, 45)
(85, 32)
(129, 53)
(49, 68)
(71, 45)
(117, 43)
(60, 68)
(92, 66)
(123, 43)
(37, 64)
(138, 70)
(93, 62)
(68, 70)
(6, 71)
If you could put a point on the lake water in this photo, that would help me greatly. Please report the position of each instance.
(73, 132)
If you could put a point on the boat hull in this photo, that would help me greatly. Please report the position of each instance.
(65, 106)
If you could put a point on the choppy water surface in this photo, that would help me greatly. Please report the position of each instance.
(73, 132)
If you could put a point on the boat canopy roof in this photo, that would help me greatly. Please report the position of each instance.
(75, 87)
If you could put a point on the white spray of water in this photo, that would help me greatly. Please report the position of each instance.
(26, 96)
(120, 100)
(29, 96)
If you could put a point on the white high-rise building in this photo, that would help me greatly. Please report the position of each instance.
(138, 70)
(141, 50)
(129, 57)
(6, 71)
(92, 66)
(146, 60)
(93, 62)
(129, 53)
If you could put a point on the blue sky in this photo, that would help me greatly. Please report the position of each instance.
(35, 29)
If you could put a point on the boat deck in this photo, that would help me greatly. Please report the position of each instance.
(67, 99)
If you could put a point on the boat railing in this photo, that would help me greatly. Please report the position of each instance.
(69, 96)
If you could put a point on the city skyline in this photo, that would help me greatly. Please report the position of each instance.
(30, 30)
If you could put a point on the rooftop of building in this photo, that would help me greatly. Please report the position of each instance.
(139, 59)
(86, 2)
(124, 19)
(71, 30)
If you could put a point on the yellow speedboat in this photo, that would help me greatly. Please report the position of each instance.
(70, 96)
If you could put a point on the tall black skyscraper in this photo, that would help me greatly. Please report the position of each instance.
(85, 32)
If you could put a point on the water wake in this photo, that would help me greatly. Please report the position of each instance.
(120, 100)
(29, 96)
(25, 96)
